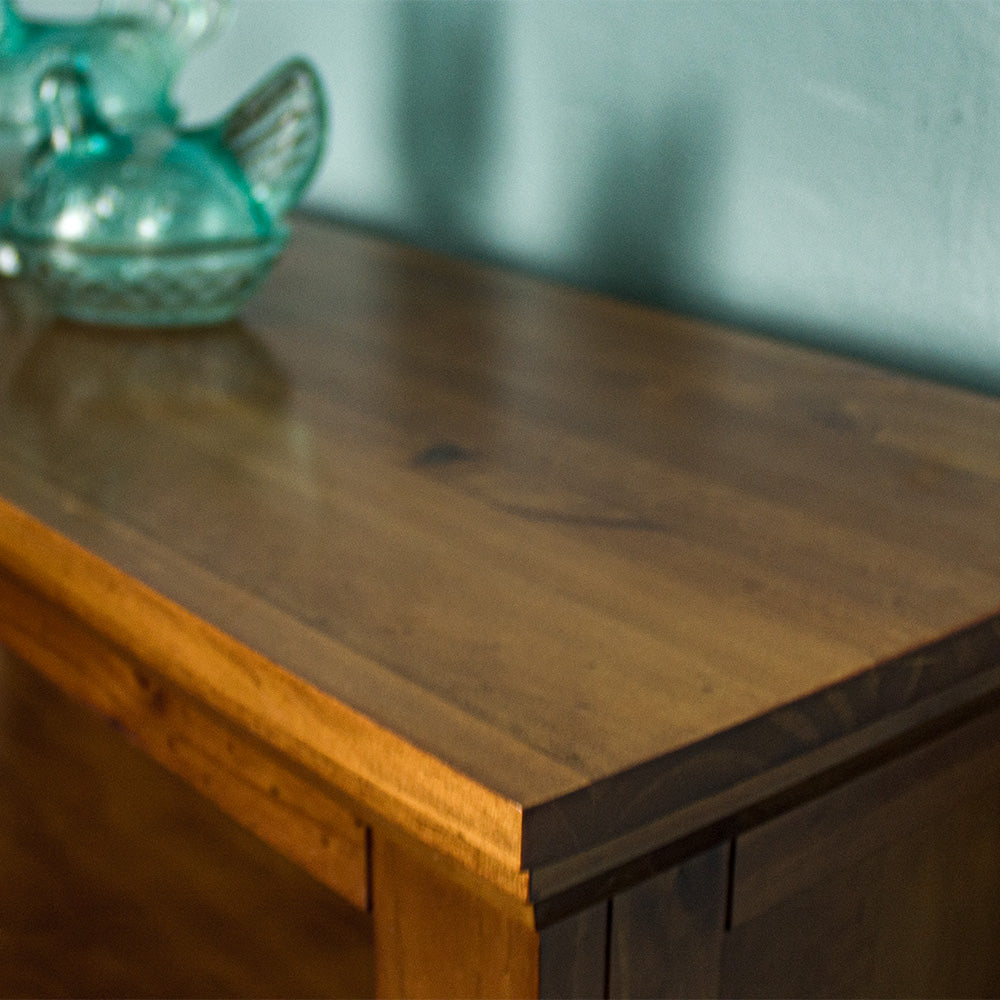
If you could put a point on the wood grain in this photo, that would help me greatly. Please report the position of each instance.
(667, 933)
(541, 578)
(259, 788)
(84, 611)
(434, 938)
(886, 887)
(117, 880)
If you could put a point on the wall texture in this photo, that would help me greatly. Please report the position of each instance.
(819, 170)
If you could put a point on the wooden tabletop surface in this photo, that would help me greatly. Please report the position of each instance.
(541, 575)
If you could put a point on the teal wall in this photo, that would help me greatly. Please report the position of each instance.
(820, 170)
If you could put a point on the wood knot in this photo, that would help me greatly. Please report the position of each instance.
(443, 453)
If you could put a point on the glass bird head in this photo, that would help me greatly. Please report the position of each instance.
(132, 51)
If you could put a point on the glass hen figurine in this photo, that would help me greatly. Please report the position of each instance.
(159, 225)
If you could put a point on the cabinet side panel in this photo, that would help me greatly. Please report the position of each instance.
(888, 886)
(667, 932)
(118, 880)
(255, 784)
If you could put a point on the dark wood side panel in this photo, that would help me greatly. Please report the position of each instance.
(888, 886)
(573, 955)
(667, 932)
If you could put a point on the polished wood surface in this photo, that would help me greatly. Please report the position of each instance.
(543, 580)
(117, 880)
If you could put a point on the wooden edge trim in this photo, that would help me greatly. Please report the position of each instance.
(564, 886)
(365, 762)
(452, 873)
(247, 779)
(915, 790)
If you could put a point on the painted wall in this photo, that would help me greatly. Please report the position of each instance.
(821, 170)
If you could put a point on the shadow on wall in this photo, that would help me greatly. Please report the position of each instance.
(649, 228)
(450, 65)
(644, 192)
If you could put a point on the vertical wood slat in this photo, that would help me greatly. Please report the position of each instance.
(667, 933)
(436, 938)
(573, 955)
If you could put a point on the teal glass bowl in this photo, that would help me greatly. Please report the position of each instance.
(158, 286)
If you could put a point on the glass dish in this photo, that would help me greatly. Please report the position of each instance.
(160, 226)
(126, 286)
